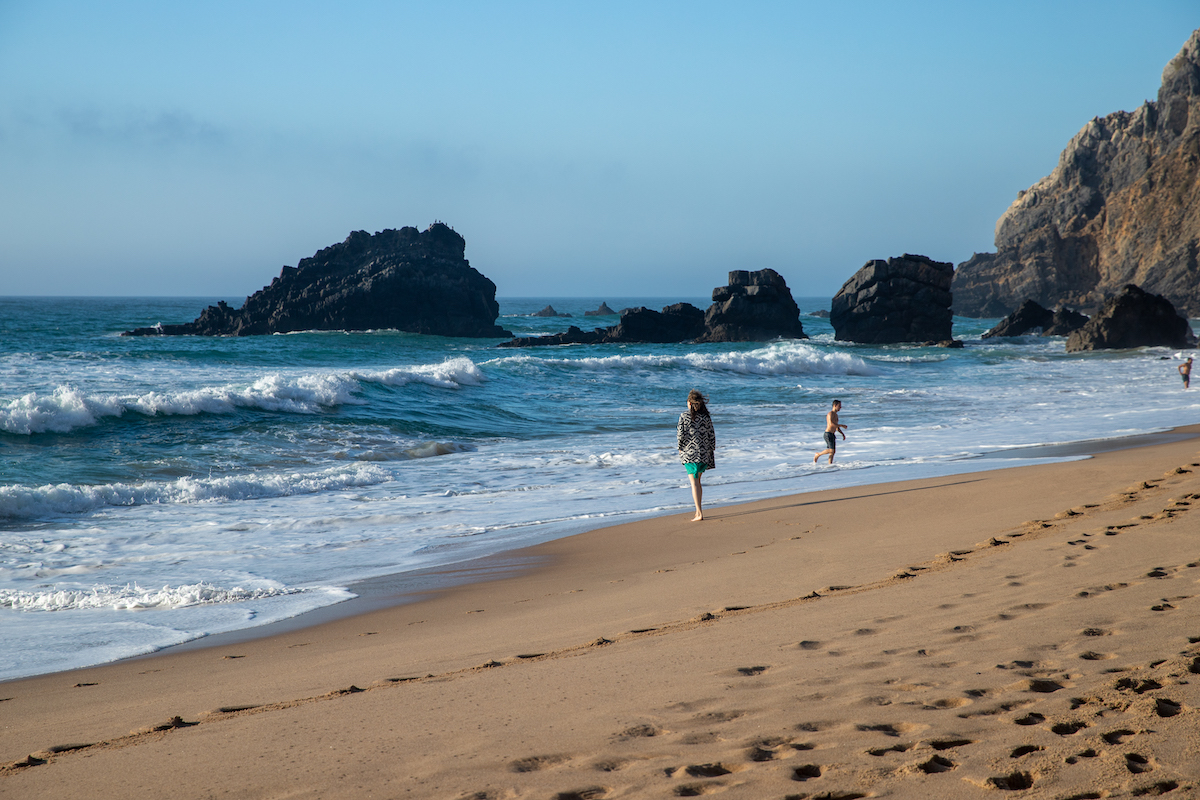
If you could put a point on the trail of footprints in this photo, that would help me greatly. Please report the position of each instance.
(927, 756)
(1118, 721)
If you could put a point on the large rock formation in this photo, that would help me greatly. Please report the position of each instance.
(1032, 318)
(903, 299)
(753, 307)
(1133, 318)
(1121, 207)
(404, 279)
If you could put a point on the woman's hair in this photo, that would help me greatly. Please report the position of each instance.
(700, 401)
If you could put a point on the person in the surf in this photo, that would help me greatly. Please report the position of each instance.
(832, 429)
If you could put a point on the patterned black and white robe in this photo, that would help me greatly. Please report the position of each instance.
(697, 440)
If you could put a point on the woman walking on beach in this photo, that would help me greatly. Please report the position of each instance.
(697, 443)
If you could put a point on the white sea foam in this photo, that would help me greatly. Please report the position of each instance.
(790, 358)
(68, 408)
(133, 597)
(35, 502)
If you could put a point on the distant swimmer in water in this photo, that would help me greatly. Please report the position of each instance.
(697, 445)
(1185, 369)
(832, 429)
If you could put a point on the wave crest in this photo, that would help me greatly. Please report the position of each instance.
(132, 597)
(68, 408)
(35, 502)
(785, 358)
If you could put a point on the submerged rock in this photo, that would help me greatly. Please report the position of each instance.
(680, 322)
(1133, 318)
(904, 299)
(1032, 318)
(407, 280)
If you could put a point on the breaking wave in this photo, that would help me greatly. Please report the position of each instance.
(69, 408)
(36, 502)
(132, 597)
(782, 359)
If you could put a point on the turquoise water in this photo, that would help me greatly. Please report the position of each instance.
(153, 490)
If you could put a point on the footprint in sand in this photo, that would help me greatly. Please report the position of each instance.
(896, 748)
(1137, 763)
(590, 793)
(1067, 728)
(936, 764)
(1033, 718)
(1117, 736)
(806, 772)
(1013, 782)
(1166, 708)
(1089, 753)
(537, 763)
(1025, 750)
(949, 744)
(751, 671)
(641, 732)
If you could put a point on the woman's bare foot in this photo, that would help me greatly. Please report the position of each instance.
(698, 517)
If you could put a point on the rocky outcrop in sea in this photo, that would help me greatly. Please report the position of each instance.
(1122, 207)
(904, 299)
(407, 280)
(1032, 318)
(548, 311)
(602, 311)
(1133, 318)
(753, 307)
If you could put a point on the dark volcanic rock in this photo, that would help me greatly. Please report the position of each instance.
(602, 311)
(1065, 322)
(548, 311)
(903, 299)
(753, 307)
(677, 323)
(397, 279)
(680, 322)
(1029, 317)
(573, 335)
(1032, 318)
(820, 314)
(1133, 318)
(1121, 207)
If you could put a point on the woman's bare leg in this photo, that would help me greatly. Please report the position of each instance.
(697, 496)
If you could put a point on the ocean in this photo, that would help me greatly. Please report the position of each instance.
(161, 489)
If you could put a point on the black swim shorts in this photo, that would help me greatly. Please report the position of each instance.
(831, 440)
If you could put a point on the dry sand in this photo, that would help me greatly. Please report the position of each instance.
(1027, 632)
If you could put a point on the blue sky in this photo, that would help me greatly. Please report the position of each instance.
(585, 149)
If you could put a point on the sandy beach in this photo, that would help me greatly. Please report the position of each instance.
(1030, 630)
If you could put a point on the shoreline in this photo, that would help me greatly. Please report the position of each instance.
(937, 638)
(412, 586)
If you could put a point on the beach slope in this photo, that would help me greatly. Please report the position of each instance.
(1031, 629)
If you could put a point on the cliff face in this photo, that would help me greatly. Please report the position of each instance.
(1121, 207)
(397, 279)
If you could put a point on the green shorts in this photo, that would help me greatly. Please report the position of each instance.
(695, 468)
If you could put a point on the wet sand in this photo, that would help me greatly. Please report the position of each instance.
(1031, 630)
